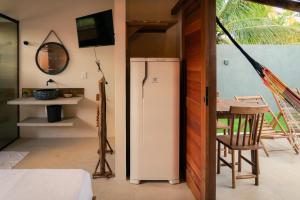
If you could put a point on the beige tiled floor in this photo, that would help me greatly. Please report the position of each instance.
(279, 179)
(81, 153)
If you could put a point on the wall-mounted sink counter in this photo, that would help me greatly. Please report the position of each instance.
(43, 122)
(77, 93)
(33, 101)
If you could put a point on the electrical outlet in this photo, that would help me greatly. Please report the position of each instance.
(226, 62)
(84, 75)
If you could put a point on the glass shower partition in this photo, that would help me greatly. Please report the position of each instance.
(9, 79)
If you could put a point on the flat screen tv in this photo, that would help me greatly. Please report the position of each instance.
(96, 29)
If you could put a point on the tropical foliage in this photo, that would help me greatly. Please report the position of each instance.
(251, 23)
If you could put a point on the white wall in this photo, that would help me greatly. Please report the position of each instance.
(239, 77)
(60, 16)
(120, 89)
(37, 18)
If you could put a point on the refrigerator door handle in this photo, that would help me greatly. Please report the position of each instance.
(145, 77)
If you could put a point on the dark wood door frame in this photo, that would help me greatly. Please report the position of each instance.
(211, 74)
(201, 154)
(208, 15)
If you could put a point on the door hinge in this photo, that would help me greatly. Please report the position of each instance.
(206, 96)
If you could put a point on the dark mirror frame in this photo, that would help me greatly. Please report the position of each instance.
(42, 46)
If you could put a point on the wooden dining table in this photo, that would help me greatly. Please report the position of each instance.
(223, 106)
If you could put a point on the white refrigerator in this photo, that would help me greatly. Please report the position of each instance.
(154, 119)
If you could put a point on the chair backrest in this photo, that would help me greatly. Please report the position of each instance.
(252, 99)
(290, 115)
(273, 123)
(250, 119)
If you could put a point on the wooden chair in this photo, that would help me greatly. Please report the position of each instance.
(249, 140)
(221, 126)
(291, 118)
(269, 130)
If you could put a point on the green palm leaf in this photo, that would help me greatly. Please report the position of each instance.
(250, 23)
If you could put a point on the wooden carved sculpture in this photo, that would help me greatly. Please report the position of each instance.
(102, 133)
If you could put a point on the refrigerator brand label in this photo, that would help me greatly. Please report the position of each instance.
(155, 80)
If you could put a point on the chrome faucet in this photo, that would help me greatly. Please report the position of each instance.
(50, 81)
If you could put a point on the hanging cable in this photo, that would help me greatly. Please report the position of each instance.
(258, 67)
(99, 64)
(276, 86)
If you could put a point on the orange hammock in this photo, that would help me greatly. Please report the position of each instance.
(270, 80)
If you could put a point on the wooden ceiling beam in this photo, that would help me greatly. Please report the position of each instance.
(293, 5)
(175, 10)
(182, 4)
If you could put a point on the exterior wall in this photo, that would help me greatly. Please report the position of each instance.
(239, 77)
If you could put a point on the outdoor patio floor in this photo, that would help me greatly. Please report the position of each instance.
(279, 178)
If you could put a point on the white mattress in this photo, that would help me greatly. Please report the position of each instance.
(45, 184)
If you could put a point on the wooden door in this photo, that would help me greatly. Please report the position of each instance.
(199, 55)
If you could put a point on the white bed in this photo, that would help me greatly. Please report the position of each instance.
(45, 184)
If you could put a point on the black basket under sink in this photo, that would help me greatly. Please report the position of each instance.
(54, 113)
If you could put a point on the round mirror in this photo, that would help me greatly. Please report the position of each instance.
(52, 58)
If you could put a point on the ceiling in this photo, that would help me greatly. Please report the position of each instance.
(25, 9)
